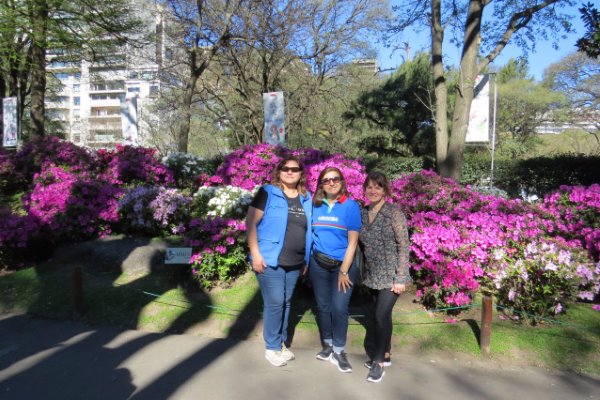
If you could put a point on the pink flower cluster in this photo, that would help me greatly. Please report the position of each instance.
(72, 205)
(252, 166)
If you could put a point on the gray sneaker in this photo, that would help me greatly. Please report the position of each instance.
(386, 363)
(376, 373)
(341, 361)
(325, 354)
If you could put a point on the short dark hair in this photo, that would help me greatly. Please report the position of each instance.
(380, 180)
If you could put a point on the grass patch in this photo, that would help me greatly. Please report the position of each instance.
(155, 303)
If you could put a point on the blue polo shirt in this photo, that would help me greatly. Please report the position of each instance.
(331, 223)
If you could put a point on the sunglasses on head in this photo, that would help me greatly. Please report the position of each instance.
(290, 169)
(328, 181)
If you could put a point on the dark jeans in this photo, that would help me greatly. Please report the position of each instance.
(378, 339)
(276, 286)
(332, 304)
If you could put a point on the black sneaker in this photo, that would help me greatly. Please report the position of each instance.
(376, 373)
(387, 362)
(341, 361)
(325, 354)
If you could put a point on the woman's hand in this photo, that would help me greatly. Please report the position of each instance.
(344, 282)
(258, 264)
(398, 288)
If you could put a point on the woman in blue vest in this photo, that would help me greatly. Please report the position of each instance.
(279, 237)
(336, 224)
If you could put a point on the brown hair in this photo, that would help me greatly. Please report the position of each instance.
(320, 193)
(380, 180)
(276, 177)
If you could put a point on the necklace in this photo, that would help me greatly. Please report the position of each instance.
(373, 212)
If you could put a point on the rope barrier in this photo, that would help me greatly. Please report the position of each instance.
(168, 301)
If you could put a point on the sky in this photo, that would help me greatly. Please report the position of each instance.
(538, 61)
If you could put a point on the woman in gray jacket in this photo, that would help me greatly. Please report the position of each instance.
(384, 239)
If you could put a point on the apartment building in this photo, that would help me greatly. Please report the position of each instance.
(102, 104)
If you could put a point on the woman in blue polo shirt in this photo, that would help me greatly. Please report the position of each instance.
(279, 237)
(336, 223)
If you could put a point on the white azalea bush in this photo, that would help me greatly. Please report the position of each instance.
(541, 277)
(223, 201)
(185, 167)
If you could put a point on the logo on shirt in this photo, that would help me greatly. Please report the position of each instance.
(327, 218)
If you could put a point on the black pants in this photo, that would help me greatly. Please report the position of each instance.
(378, 339)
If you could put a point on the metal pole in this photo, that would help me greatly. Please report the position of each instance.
(486, 326)
(494, 129)
(78, 291)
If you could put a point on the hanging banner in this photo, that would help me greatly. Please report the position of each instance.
(479, 117)
(274, 118)
(129, 120)
(10, 134)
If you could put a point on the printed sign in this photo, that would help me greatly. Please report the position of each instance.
(129, 120)
(10, 134)
(479, 117)
(274, 118)
(178, 255)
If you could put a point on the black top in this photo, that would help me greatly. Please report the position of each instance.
(293, 251)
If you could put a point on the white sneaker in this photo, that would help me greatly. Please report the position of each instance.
(286, 353)
(275, 358)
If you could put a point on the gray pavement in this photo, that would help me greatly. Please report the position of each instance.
(43, 359)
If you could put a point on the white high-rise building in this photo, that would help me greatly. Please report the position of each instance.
(102, 104)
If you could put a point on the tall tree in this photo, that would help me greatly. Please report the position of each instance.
(295, 46)
(577, 76)
(402, 107)
(482, 28)
(198, 30)
(590, 42)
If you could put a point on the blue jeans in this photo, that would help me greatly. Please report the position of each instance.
(332, 304)
(276, 286)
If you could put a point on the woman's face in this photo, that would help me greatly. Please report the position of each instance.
(374, 192)
(332, 184)
(290, 173)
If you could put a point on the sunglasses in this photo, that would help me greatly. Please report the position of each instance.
(329, 181)
(290, 169)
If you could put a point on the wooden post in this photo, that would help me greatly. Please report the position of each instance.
(78, 291)
(486, 326)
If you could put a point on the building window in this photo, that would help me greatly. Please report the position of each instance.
(77, 88)
(77, 101)
(63, 76)
(133, 89)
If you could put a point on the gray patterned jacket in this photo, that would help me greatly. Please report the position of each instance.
(386, 248)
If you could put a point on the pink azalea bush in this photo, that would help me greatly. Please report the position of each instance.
(133, 165)
(457, 235)
(576, 210)
(221, 244)
(72, 205)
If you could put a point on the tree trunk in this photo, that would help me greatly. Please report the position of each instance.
(464, 96)
(188, 95)
(440, 88)
(39, 20)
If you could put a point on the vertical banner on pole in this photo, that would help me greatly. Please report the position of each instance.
(10, 134)
(129, 120)
(274, 118)
(479, 117)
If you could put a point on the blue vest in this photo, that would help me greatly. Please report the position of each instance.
(271, 228)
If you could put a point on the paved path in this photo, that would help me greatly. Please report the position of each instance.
(42, 359)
